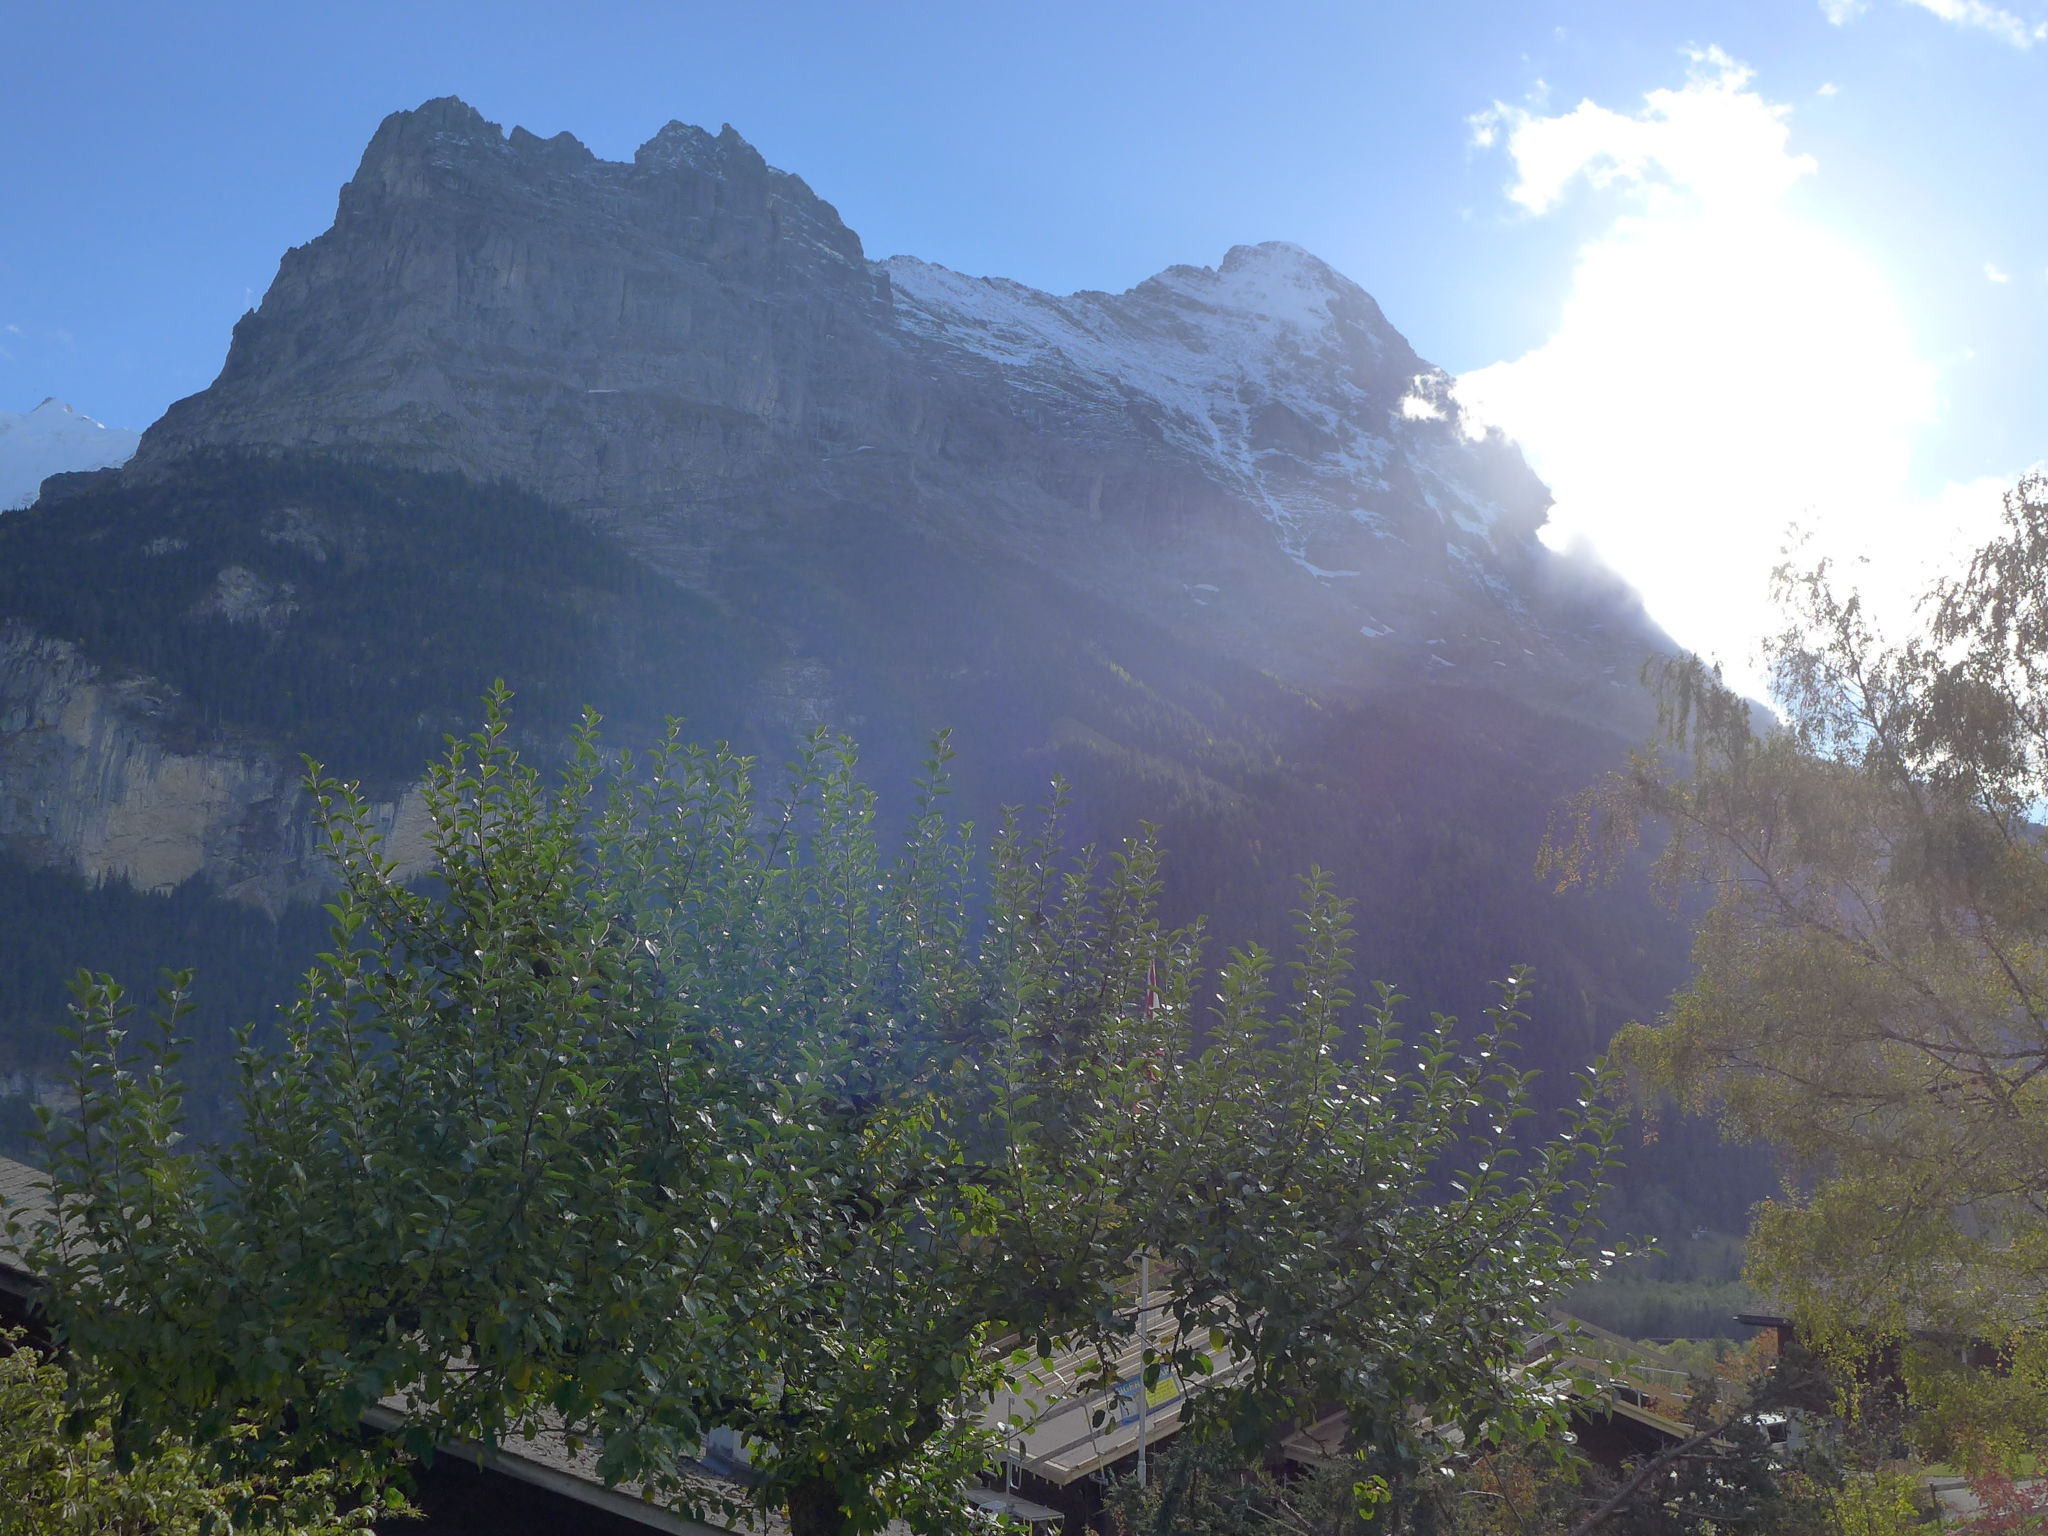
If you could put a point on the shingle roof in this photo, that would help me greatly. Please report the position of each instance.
(24, 1196)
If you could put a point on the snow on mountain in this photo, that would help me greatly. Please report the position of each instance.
(54, 439)
(1278, 373)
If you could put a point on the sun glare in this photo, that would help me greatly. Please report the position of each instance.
(1722, 370)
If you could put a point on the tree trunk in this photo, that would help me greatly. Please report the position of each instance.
(814, 1508)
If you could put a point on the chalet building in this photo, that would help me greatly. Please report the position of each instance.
(1069, 1437)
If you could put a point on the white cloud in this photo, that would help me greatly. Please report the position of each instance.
(1994, 273)
(1977, 15)
(1828, 88)
(1713, 136)
(1722, 369)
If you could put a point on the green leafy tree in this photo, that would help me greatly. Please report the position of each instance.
(1870, 993)
(60, 1474)
(1356, 1219)
(1216, 1493)
(667, 1106)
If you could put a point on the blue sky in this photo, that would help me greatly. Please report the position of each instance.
(1718, 266)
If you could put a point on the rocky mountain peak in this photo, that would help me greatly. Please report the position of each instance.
(1279, 253)
(564, 148)
(657, 437)
(679, 182)
(692, 349)
(680, 143)
(723, 154)
(446, 148)
(446, 127)
(449, 115)
(449, 135)
(1283, 263)
(1287, 283)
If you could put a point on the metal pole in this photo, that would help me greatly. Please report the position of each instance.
(1144, 1343)
(1014, 1445)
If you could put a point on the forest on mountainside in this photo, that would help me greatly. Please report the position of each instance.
(244, 963)
(357, 615)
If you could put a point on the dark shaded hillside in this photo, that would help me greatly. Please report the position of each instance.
(388, 600)
(1427, 802)
(55, 924)
(357, 614)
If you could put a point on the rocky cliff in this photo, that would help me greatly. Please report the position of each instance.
(169, 649)
(692, 350)
(93, 778)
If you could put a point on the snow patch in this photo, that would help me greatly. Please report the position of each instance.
(1317, 571)
(1252, 367)
(1277, 376)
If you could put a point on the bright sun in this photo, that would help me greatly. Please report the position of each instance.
(1721, 371)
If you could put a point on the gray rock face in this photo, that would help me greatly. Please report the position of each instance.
(692, 350)
(626, 339)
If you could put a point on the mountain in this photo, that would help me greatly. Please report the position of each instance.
(54, 439)
(658, 436)
(692, 352)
